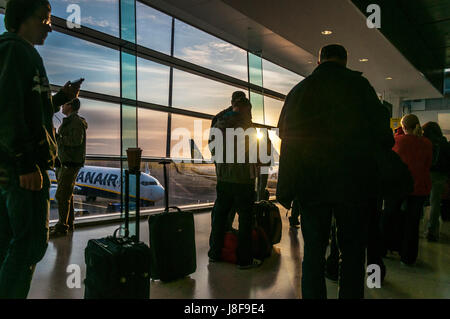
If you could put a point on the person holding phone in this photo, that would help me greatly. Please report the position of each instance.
(27, 143)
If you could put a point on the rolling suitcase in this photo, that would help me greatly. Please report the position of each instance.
(118, 267)
(172, 241)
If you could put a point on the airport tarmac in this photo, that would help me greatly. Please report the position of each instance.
(189, 184)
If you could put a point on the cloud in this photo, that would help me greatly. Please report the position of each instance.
(93, 22)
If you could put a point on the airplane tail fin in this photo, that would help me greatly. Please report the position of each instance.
(196, 154)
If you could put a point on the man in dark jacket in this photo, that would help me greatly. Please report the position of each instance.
(72, 154)
(332, 171)
(235, 183)
(27, 143)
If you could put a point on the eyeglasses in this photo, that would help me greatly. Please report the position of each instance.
(45, 21)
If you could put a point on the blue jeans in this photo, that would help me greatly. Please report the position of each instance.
(23, 234)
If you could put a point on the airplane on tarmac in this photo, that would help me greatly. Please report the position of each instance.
(96, 181)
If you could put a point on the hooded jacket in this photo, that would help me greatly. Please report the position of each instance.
(335, 164)
(27, 137)
(72, 140)
(234, 171)
(441, 151)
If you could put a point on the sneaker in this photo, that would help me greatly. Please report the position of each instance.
(254, 264)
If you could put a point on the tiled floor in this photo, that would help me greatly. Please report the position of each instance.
(278, 278)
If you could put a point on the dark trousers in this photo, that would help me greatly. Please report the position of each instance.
(374, 243)
(351, 227)
(401, 228)
(241, 197)
(262, 184)
(23, 235)
(66, 177)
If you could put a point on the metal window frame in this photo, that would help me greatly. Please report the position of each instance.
(112, 42)
(148, 4)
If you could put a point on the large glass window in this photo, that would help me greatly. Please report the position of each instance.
(257, 101)
(152, 132)
(2, 23)
(199, 94)
(272, 110)
(190, 138)
(128, 20)
(153, 82)
(103, 133)
(154, 28)
(129, 84)
(191, 184)
(255, 69)
(67, 58)
(96, 192)
(101, 15)
(279, 79)
(208, 51)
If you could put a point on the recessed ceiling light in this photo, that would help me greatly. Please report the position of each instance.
(388, 78)
(363, 60)
(309, 62)
(327, 32)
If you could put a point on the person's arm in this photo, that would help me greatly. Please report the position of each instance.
(66, 94)
(16, 138)
(378, 118)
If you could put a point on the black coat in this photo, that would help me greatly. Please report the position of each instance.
(331, 125)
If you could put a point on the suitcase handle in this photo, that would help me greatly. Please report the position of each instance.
(127, 201)
(166, 184)
(174, 207)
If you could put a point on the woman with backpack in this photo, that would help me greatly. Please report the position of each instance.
(440, 170)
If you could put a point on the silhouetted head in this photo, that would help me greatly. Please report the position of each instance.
(244, 107)
(334, 53)
(237, 96)
(70, 107)
(432, 130)
(29, 18)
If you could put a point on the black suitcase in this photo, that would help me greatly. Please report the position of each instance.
(172, 242)
(267, 216)
(118, 268)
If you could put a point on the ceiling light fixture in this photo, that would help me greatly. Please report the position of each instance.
(363, 60)
(327, 32)
(388, 78)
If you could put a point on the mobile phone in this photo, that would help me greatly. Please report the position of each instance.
(77, 82)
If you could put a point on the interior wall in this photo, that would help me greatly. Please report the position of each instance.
(441, 117)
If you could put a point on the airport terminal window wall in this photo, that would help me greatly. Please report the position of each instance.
(176, 77)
